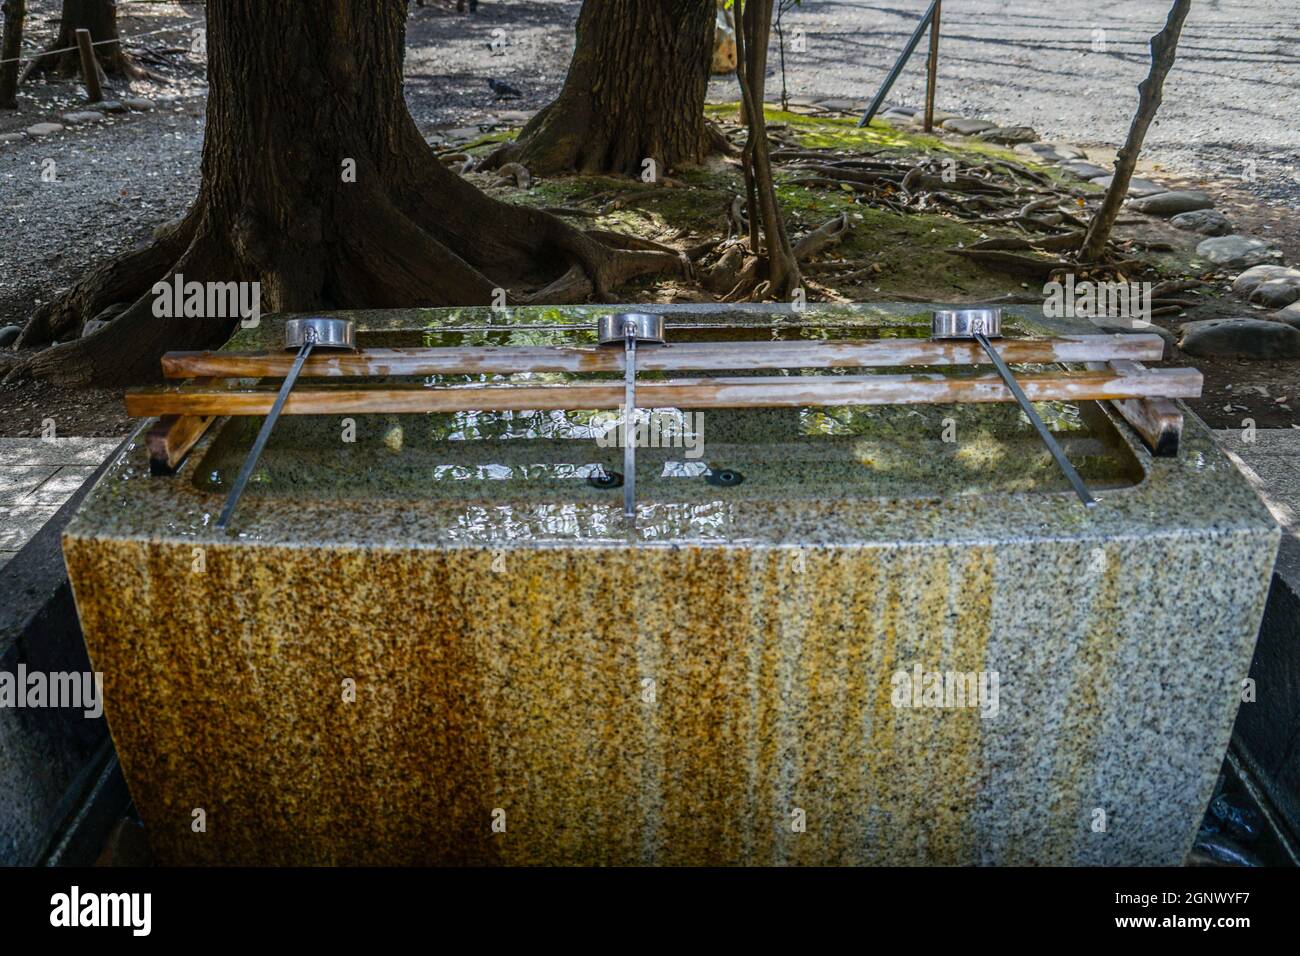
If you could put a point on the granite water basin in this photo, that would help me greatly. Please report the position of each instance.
(446, 646)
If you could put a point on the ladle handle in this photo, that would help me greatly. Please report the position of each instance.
(629, 419)
(1027, 407)
(263, 436)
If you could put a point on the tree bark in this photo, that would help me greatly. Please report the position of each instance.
(100, 18)
(635, 91)
(1164, 50)
(15, 11)
(300, 95)
(780, 268)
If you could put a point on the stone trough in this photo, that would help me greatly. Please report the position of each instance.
(869, 635)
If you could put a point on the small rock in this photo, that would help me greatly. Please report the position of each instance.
(44, 129)
(1009, 135)
(839, 106)
(85, 116)
(1277, 293)
(1240, 338)
(967, 127)
(1085, 170)
(1206, 222)
(905, 110)
(1172, 203)
(112, 106)
(11, 137)
(1051, 152)
(1247, 282)
(1152, 329)
(138, 103)
(1238, 252)
(1290, 315)
(9, 335)
(1137, 188)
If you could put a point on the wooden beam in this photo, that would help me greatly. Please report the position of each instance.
(171, 439)
(1158, 421)
(684, 356)
(749, 392)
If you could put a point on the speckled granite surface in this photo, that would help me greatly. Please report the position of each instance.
(715, 685)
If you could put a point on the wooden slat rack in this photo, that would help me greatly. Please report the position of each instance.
(1111, 370)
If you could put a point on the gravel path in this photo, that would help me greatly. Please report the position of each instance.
(1233, 97)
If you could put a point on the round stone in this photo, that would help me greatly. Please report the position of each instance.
(1172, 203)
(1240, 338)
(1238, 252)
(1206, 222)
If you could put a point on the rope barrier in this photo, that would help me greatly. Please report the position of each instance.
(66, 49)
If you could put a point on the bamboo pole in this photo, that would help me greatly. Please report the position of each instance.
(686, 356)
(749, 392)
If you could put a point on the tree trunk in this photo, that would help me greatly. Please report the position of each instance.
(635, 91)
(100, 18)
(780, 268)
(317, 184)
(10, 50)
(1164, 50)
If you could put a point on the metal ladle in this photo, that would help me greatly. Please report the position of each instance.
(982, 325)
(303, 335)
(630, 328)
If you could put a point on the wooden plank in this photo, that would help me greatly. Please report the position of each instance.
(1158, 421)
(750, 392)
(171, 439)
(683, 356)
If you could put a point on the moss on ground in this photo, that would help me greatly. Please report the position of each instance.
(886, 254)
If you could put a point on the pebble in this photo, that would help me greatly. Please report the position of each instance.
(44, 129)
(138, 103)
(967, 127)
(1206, 222)
(9, 335)
(1238, 252)
(1290, 315)
(86, 116)
(1172, 203)
(112, 106)
(1085, 170)
(1010, 135)
(1137, 187)
(11, 137)
(1240, 338)
(1277, 293)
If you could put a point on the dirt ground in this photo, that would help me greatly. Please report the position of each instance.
(121, 178)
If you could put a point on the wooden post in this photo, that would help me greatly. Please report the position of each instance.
(15, 11)
(932, 67)
(89, 66)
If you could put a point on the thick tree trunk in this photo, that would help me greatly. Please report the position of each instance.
(634, 91)
(10, 50)
(100, 18)
(317, 184)
(1164, 50)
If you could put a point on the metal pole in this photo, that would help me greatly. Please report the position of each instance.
(263, 436)
(912, 44)
(1027, 407)
(629, 420)
(933, 66)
